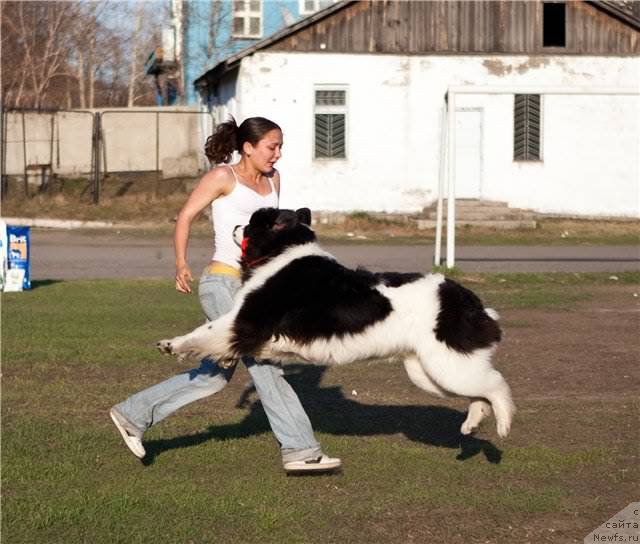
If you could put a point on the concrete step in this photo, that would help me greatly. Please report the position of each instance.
(424, 224)
(489, 215)
(472, 203)
(481, 213)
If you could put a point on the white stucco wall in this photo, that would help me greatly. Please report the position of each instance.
(590, 143)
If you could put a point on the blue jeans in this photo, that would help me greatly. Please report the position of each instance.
(287, 417)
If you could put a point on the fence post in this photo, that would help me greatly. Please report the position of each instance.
(92, 174)
(95, 166)
(24, 156)
(105, 170)
(96, 196)
(3, 147)
(157, 184)
(47, 187)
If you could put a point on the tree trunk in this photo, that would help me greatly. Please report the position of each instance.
(133, 72)
(81, 84)
(91, 55)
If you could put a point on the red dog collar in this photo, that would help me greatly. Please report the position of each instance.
(243, 246)
(250, 264)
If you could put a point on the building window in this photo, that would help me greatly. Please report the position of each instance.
(307, 7)
(247, 19)
(330, 124)
(526, 127)
(554, 24)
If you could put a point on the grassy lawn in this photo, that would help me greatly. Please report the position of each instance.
(70, 350)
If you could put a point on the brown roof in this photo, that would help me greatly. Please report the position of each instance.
(627, 11)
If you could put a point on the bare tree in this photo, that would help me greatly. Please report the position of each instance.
(207, 47)
(96, 47)
(76, 53)
(92, 19)
(137, 43)
(209, 44)
(34, 49)
(135, 53)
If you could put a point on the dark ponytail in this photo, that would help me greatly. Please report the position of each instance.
(222, 143)
(229, 137)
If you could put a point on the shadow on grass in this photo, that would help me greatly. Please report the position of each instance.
(331, 412)
(35, 284)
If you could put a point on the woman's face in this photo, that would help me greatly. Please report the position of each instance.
(266, 152)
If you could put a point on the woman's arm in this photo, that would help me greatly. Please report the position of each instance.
(215, 183)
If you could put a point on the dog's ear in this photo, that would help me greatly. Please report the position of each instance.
(264, 218)
(285, 219)
(304, 216)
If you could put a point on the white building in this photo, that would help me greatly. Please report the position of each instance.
(359, 90)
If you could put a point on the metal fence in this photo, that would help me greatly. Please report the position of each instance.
(43, 145)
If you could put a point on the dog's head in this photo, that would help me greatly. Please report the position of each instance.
(270, 231)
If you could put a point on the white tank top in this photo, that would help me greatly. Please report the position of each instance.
(234, 209)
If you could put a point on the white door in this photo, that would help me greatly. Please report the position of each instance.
(468, 153)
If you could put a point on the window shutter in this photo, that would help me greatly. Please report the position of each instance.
(330, 136)
(526, 136)
(330, 123)
(330, 98)
(338, 136)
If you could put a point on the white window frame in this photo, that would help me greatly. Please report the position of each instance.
(316, 6)
(329, 110)
(246, 14)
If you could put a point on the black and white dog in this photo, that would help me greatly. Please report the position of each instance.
(297, 303)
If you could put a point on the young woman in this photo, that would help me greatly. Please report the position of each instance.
(234, 192)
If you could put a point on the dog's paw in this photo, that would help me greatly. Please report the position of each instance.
(165, 346)
(503, 429)
(469, 428)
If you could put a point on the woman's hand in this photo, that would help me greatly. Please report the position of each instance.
(183, 278)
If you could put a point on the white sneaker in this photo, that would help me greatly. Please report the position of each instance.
(318, 464)
(132, 437)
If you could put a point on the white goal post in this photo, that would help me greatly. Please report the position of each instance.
(447, 154)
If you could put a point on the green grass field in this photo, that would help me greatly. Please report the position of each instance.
(70, 350)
